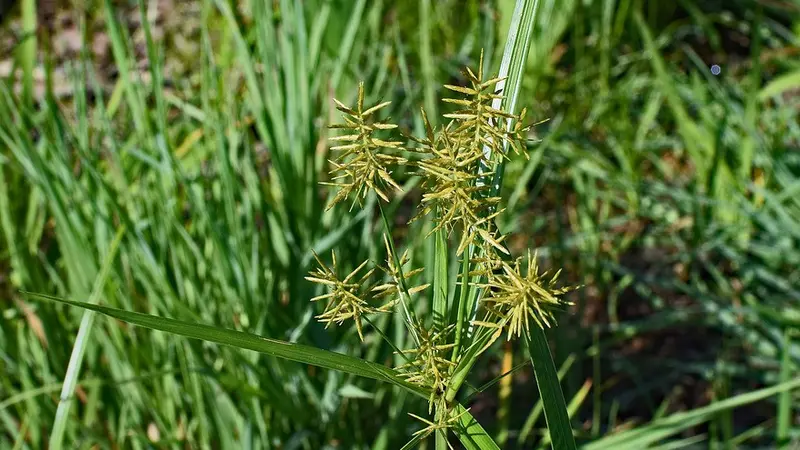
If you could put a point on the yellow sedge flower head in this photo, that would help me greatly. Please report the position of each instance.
(517, 297)
(428, 364)
(481, 126)
(450, 181)
(460, 158)
(364, 159)
(348, 298)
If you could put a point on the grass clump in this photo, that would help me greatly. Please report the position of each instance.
(668, 191)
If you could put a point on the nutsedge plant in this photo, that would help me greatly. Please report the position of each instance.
(453, 160)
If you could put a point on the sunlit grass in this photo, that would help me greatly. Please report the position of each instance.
(669, 193)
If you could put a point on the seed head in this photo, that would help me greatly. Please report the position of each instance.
(364, 159)
(457, 160)
(347, 298)
(429, 366)
(479, 123)
(450, 178)
(515, 297)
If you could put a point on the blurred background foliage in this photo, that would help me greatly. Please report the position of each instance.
(671, 194)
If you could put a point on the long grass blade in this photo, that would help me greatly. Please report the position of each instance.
(784, 413)
(536, 411)
(512, 68)
(426, 59)
(471, 433)
(644, 436)
(555, 408)
(779, 85)
(273, 347)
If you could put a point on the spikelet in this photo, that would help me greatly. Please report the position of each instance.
(449, 418)
(364, 160)
(516, 297)
(482, 127)
(398, 278)
(459, 158)
(428, 364)
(347, 298)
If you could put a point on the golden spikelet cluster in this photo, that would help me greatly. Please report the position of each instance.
(457, 163)
(515, 297)
(354, 296)
(458, 160)
(363, 162)
(453, 191)
(428, 364)
(482, 126)
(347, 298)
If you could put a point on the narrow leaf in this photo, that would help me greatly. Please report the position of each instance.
(79, 349)
(471, 433)
(440, 280)
(273, 347)
(555, 408)
(780, 85)
(644, 436)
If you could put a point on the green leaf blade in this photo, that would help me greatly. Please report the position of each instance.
(555, 408)
(273, 347)
(646, 435)
(471, 433)
(440, 280)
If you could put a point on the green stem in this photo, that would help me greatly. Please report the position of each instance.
(388, 341)
(79, 349)
(511, 68)
(405, 298)
(28, 50)
(440, 280)
(441, 439)
(461, 319)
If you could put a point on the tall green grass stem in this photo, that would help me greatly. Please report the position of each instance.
(512, 67)
(79, 349)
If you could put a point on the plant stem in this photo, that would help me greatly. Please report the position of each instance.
(441, 314)
(511, 68)
(505, 395)
(28, 50)
(461, 313)
(411, 319)
(81, 342)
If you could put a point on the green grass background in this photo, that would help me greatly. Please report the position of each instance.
(672, 195)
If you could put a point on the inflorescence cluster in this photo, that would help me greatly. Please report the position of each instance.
(454, 161)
